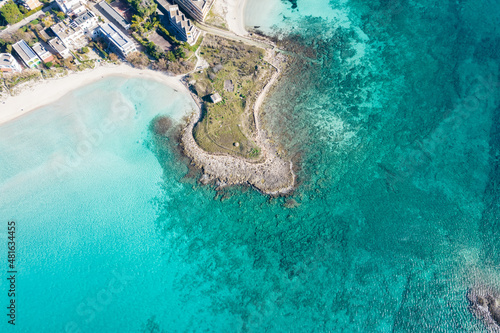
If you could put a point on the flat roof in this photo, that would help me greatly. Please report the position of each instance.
(39, 48)
(114, 14)
(25, 52)
(57, 45)
(84, 17)
(6, 59)
(115, 34)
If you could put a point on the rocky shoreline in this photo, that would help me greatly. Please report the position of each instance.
(485, 305)
(271, 174)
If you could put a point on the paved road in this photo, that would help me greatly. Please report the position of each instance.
(230, 35)
(13, 28)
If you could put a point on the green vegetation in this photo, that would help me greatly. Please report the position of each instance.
(237, 73)
(31, 12)
(143, 8)
(60, 15)
(13, 80)
(10, 13)
(5, 46)
(167, 35)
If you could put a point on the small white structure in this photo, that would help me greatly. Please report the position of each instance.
(67, 34)
(8, 63)
(59, 47)
(72, 7)
(216, 98)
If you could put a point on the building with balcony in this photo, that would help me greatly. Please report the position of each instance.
(87, 21)
(69, 35)
(185, 31)
(197, 9)
(118, 41)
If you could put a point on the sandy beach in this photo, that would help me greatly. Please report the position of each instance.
(49, 91)
(233, 12)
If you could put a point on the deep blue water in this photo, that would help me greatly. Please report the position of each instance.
(390, 110)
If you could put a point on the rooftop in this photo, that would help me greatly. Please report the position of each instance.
(115, 34)
(179, 18)
(63, 31)
(57, 45)
(114, 14)
(25, 52)
(82, 18)
(39, 49)
(6, 59)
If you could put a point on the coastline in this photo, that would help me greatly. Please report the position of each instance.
(40, 93)
(271, 175)
(234, 15)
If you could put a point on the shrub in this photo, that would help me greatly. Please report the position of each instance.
(60, 16)
(10, 13)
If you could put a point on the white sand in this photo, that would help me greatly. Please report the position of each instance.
(235, 16)
(233, 12)
(49, 91)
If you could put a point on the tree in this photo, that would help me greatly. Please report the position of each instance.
(60, 16)
(161, 64)
(179, 53)
(10, 13)
(5, 46)
(113, 57)
(84, 50)
(170, 56)
(138, 59)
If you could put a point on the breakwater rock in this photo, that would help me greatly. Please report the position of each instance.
(485, 304)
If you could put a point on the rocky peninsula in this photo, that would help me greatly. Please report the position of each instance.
(269, 172)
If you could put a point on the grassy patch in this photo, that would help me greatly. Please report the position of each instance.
(238, 73)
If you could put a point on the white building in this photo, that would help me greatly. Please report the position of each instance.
(87, 22)
(197, 9)
(8, 63)
(26, 53)
(59, 47)
(118, 41)
(42, 52)
(184, 29)
(216, 98)
(68, 34)
(72, 7)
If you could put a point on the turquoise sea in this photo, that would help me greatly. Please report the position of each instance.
(390, 111)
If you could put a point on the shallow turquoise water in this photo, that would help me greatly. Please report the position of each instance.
(393, 120)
